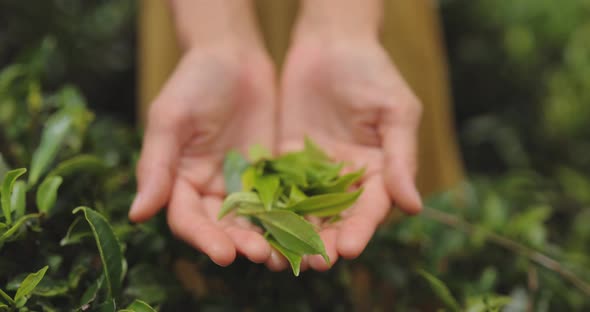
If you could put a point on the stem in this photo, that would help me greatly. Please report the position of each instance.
(535, 256)
(6, 297)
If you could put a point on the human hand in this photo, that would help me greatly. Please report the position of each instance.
(219, 97)
(344, 92)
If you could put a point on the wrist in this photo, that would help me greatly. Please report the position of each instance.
(204, 23)
(340, 19)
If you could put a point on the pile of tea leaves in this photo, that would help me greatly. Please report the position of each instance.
(277, 193)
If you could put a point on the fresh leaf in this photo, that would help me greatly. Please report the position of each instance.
(108, 247)
(267, 187)
(47, 193)
(3, 166)
(64, 127)
(341, 184)
(107, 306)
(296, 195)
(291, 256)
(441, 291)
(258, 152)
(237, 200)
(326, 205)
(18, 200)
(91, 293)
(77, 164)
(487, 303)
(6, 192)
(248, 178)
(234, 165)
(140, 306)
(6, 235)
(77, 231)
(54, 134)
(313, 151)
(293, 232)
(29, 283)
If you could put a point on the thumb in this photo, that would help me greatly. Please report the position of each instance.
(155, 173)
(400, 146)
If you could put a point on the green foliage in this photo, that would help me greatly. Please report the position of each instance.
(513, 239)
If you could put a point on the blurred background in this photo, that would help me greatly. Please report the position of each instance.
(520, 73)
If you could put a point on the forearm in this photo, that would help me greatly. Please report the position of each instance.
(351, 18)
(206, 22)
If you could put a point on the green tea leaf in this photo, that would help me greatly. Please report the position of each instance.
(108, 247)
(6, 192)
(313, 152)
(248, 178)
(54, 134)
(239, 200)
(326, 205)
(267, 187)
(6, 235)
(258, 152)
(107, 306)
(3, 166)
(291, 256)
(47, 193)
(293, 232)
(140, 306)
(18, 199)
(29, 283)
(341, 184)
(487, 303)
(295, 195)
(291, 168)
(91, 293)
(77, 231)
(77, 164)
(234, 165)
(441, 291)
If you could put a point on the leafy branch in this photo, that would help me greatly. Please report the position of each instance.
(514, 246)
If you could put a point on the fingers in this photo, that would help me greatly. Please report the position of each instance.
(250, 244)
(276, 262)
(400, 144)
(155, 173)
(188, 222)
(357, 228)
(329, 237)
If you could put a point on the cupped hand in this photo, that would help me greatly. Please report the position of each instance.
(350, 99)
(217, 99)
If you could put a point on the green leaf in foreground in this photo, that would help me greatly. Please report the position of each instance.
(239, 200)
(291, 256)
(293, 232)
(342, 184)
(6, 297)
(326, 205)
(234, 165)
(140, 306)
(108, 247)
(47, 193)
(6, 192)
(18, 199)
(441, 291)
(29, 283)
(267, 187)
(258, 152)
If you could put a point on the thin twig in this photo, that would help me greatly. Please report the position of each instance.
(533, 255)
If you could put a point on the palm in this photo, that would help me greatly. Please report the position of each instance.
(209, 106)
(339, 96)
